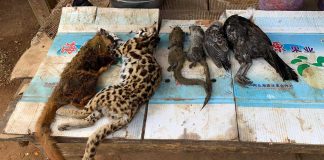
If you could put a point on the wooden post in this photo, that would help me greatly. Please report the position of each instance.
(41, 9)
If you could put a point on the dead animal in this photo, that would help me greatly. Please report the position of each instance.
(76, 86)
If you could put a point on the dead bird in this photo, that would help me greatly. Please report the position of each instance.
(196, 55)
(250, 42)
(77, 86)
(216, 47)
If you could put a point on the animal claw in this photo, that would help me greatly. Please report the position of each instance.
(63, 127)
(243, 81)
(192, 65)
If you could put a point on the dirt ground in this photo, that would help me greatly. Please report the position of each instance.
(18, 26)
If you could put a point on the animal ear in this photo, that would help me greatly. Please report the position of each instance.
(102, 31)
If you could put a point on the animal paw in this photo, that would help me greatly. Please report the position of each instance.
(192, 65)
(63, 127)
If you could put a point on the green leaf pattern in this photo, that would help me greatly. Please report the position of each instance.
(302, 57)
(320, 59)
(301, 68)
(294, 61)
(305, 64)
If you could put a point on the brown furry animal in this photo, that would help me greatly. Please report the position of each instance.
(76, 86)
(140, 77)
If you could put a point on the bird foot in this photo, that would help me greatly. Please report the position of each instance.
(242, 80)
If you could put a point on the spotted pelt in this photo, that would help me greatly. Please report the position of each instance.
(139, 78)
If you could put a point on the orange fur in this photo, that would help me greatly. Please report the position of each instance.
(76, 86)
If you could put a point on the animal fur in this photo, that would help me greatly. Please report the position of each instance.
(76, 86)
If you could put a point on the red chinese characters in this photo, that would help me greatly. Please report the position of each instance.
(69, 48)
(277, 47)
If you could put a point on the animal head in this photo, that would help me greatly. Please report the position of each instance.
(108, 38)
(235, 26)
(146, 31)
(175, 33)
(196, 30)
(230, 32)
(146, 40)
(219, 39)
(216, 25)
(177, 28)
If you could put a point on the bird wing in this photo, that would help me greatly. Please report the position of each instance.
(218, 56)
(254, 29)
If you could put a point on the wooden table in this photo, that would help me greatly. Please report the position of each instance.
(172, 121)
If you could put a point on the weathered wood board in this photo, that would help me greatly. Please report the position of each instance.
(32, 57)
(77, 26)
(271, 110)
(175, 112)
(188, 121)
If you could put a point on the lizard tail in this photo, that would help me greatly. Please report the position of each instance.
(208, 85)
(186, 81)
(43, 131)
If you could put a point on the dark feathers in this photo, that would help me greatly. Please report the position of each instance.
(216, 47)
(250, 42)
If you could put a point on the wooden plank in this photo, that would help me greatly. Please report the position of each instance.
(188, 121)
(51, 3)
(23, 121)
(185, 5)
(285, 21)
(312, 156)
(115, 155)
(132, 131)
(232, 4)
(41, 10)
(32, 57)
(91, 19)
(190, 14)
(285, 125)
(100, 3)
(273, 110)
(174, 111)
(6, 116)
(176, 146)
(22, 88)
(32, 103)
